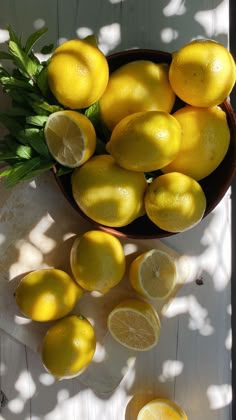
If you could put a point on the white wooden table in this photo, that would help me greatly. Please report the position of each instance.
(192, 363)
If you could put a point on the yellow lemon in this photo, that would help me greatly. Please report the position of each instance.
(70, 137)
(145, 141)
(137, 86)
(78, 73)
(153, 274)
(97, 261)
(175, 202)
(134, 324)
(205, 141)
(47, 294)
(161, 409)
(202, 73)
(68, 347)
(108, 194)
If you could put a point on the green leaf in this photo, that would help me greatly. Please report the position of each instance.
(39, 104)
(38, 120)
(12, 82)
(63, 170)
(93, 113)
(13, 36)
(26, 64)
(5, 56)
(20, 170)
(16, 111)
(6, 156)
(10, 123)
(42, 168)
(35, 138)
(5, 172)
(33, 38)
(10, 149)
(42, 82)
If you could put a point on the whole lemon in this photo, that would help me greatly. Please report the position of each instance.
(68, 347)
(77, 73)
(140, 85)
(108, 194)
(205, 141)
(202, 73)
(97, 261)
(145, 141)
(175, 202)
(47, 294)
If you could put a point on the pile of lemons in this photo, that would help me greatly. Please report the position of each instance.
(97, 263)
(156, 154)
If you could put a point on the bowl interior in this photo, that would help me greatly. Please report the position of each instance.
(214, 186)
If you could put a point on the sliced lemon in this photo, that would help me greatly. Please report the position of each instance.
(161, 409)
(153, 274)
(70, 137)
(134, 324)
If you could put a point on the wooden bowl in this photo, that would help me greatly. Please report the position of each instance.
(214, 186)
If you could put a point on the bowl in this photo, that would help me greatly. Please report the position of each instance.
(214, 186)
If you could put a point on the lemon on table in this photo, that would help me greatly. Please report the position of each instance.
(78, 73)
(97, 261)
(202, 73)
(70, 137)
(134, 324)
(47, 294)
(205, 141)
(68, 347)
(161, 409)
(175, 202)
(141, 85)
(145, 141)
(108, 194)
(153, 274)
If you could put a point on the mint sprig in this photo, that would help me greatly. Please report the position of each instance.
(24, 148)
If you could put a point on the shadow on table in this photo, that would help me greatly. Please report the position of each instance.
(173, 23)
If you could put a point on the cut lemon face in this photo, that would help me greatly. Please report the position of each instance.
(70, 137)
(153, 274)
(134, 324)
(161, 409)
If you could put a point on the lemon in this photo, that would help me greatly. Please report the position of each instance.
(70, 137)
(97, 261)
(108, 194)
(145, 141)
(161, 409)
(205, 141)
(175, 202)
(137, 86)
(153, 274)
(68, 347)
(134, 324)
(78, 73)
(202, 73)
(47, 294)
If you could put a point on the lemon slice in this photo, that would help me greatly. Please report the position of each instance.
(153, 274)
(70, 137)
(134, 324)
(161, 409)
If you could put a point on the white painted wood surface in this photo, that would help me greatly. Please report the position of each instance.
(193, 367)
